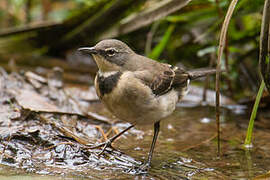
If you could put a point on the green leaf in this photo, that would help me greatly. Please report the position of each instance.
(159, 48)
(253, 115)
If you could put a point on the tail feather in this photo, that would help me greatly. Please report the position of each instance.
(197, 73)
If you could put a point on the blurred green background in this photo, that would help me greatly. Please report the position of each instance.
(186, 37)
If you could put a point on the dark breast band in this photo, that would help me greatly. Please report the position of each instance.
(107, 84)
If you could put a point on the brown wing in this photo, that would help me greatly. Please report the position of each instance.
(162, 82)
(180, 79)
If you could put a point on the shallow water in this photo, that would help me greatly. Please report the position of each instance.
(186, 149)
(188, 136)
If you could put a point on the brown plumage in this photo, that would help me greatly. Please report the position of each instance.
(137, 89)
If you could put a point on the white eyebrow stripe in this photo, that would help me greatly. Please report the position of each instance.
(111, 48)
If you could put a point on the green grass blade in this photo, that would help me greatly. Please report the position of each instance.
(253, 115)
(155, 53)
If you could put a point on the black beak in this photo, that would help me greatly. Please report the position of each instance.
(88, 50)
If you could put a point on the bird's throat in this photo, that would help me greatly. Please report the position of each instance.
(104, 65)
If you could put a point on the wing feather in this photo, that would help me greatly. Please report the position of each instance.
(162, 82)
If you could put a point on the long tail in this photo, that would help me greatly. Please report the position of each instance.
(197, 73)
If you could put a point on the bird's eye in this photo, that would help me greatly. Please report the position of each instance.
(110, 52)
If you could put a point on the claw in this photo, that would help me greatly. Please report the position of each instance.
(97, 146)
(108, 143)
(141, 170)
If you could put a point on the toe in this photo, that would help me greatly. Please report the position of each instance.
(143, 169)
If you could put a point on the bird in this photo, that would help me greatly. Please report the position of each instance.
(137, 89)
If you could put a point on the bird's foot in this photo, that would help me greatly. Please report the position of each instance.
(143, 169)
(106, 144)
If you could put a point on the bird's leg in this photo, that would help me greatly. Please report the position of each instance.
(144, 168)
(109, 142)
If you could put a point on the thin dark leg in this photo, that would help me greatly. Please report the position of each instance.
(156, 131)
(109, 142)
(144, 168)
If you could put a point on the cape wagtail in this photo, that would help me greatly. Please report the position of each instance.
(137, 89)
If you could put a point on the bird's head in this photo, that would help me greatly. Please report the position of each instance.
(110, 54)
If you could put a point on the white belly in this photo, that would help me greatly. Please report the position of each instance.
(133, 102)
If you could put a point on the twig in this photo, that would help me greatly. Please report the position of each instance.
(104, 135)
(28, 28)
(6, 155)
(159, 11)
(116, 131)
(115, 9)
(222, 42)
(203, 142)
(55, 145)
(220, 14)
(64, 130)
(108, 132)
